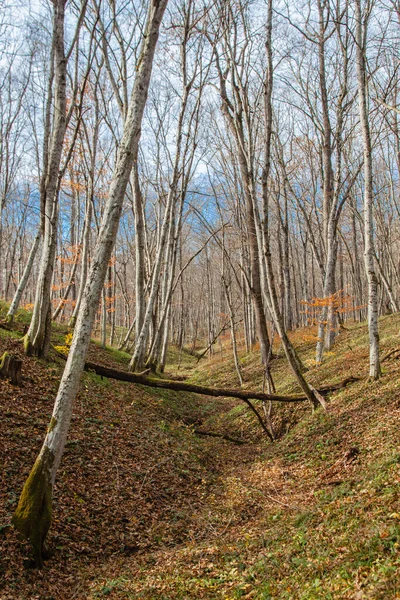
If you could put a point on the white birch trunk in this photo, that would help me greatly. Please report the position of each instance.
(24, 279)
(329, 279)
(140, 248)
(361, 33)
(88, 213)
(33, 515)
(138, 357)
(36, 340)
(85, 258)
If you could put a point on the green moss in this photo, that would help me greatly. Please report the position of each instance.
(32, 517)
(52, 424)
(3, 360)
(27, 345)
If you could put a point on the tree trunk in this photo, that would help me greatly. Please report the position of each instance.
(85, 259)
(138, 357)
(11, 368)
(33, 514)
(140, 294)
(36, 340)
(273, 297)
(24, 279)
(361, 35)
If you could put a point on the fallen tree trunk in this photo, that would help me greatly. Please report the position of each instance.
(180, 386)
(327, 389)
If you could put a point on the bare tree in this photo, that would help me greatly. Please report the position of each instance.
(37, 338)
(32, 517)
(233, 70)
(361, 23)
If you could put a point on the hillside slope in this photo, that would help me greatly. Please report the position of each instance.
(147, 509)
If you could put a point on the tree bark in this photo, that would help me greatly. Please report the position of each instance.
(36, 339)
(11, 368)
(33, 514)
(24, 279)
(273, 297)
(361, 35)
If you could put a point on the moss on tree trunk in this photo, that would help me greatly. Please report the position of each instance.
(11, 368)
(3, 360)
(32, 517)
(27, 344)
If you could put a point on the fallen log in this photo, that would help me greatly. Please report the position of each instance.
(180, 386)
(327, 389)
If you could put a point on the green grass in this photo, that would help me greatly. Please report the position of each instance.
(119, 356)
(22, 316)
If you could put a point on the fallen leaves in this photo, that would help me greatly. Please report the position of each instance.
(146, 510)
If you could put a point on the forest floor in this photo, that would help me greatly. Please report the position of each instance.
(144, 508)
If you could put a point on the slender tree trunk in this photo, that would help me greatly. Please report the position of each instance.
(33, 515)
(138, 357)
(140, 247)
(103, 319)
(235, 117)
(163, 351)
(387, 286)
(70, 287)
(25, 277)
(85, 260)
(37, 338)
(325, 319)
(89, 209)
(361, 35)
(329, 229)
(273, 297)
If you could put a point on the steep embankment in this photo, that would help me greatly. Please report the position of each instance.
(144, 508)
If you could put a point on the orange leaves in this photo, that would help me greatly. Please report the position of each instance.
(110, 301)
(75, 185)
(64, 302)
(305, 335)
(340, 302)
(72, 255)
(58, 287)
